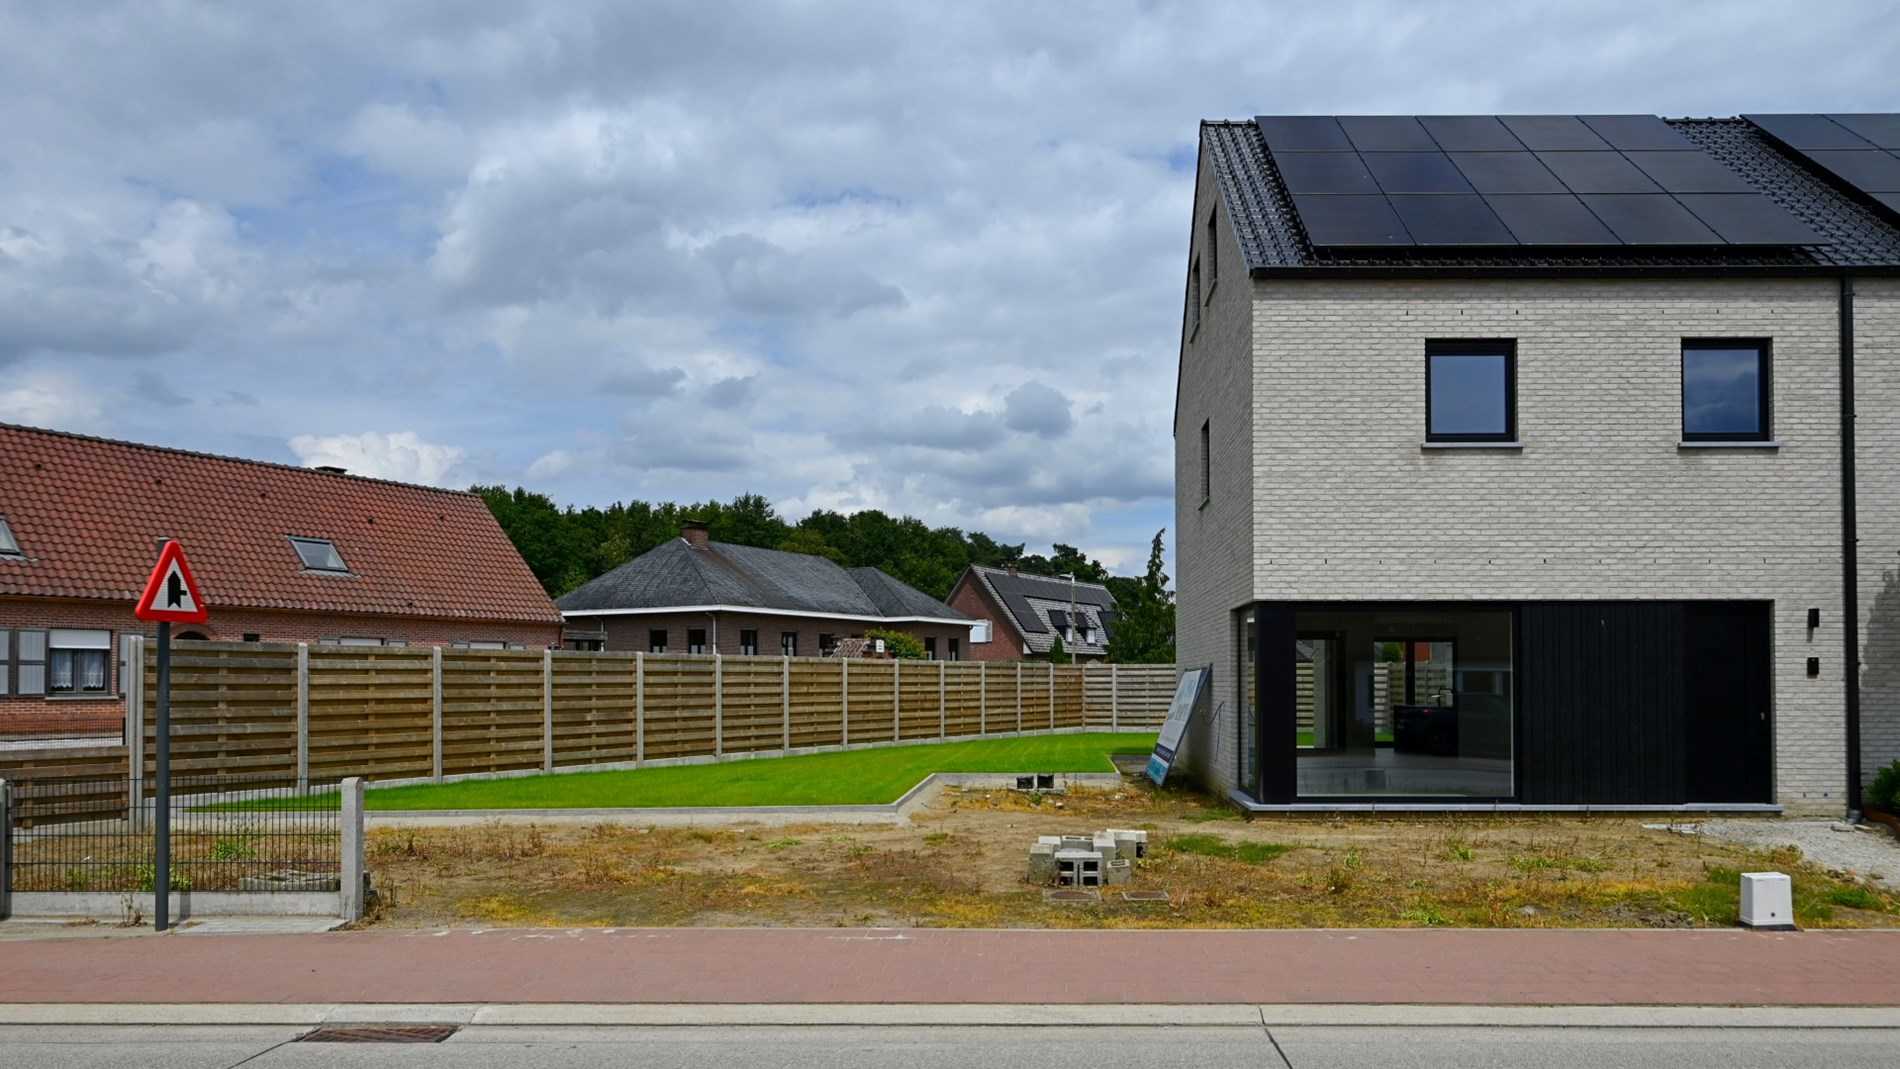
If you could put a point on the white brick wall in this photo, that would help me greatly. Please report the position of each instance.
(1877, 430)
(1600, 503)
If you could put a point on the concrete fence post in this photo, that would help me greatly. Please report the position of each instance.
(1019, 697)
(1114, 697)
(134, 681)
(844, 701)
(547, 710)
(719, 706)
(303, 712)
(639, 707)
(982, 697)
(785, 697)
(435, 712)
(943, 711)
(897, 699)
(350, 883)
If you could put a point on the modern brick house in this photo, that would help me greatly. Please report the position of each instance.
(1021, 615)
(281, 554)
(693, 595)
(1542, 461)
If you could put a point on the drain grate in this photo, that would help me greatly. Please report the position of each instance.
(1144, 896)
(380, 1033)
(1072, 895)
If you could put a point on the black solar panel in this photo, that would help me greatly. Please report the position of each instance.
(1748, 219)
(1649, 219)
(1350, 221)
(1688, 172)
(1058, 618)
(1554, 133)
(1637, 132)
(1450, 219)
(1507, 172)
(1325, 172)
(1598, 172)
(1805, 133)
(1869, 170)
(1470, 133)
(1450, 181)
(1387, 133)
(1882, 130)
(1303, 133)
(1546, 219)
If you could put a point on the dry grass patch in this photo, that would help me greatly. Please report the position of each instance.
(961, 864)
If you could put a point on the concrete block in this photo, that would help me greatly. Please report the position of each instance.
(1131, 843)
(1042, 863)
(1078, 868)
(1118, 872)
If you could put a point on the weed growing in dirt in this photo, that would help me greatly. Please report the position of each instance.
(1215, 846)
(1460, 852)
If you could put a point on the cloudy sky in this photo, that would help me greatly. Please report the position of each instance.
(920, 257)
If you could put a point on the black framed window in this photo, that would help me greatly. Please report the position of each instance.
(656, 640)
(1725, 390)
(788, 643)
(749, 643)
(695, 640)
(826, 643)
(1207, 461)
(1194, 298)
(1470, 391)
(930, 647)
(955, 653)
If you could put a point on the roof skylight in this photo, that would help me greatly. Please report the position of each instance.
(8, 547)
(318, 554)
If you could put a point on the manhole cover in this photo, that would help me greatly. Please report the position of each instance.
(1072, 896)
(381, 1033)
(1144, 896)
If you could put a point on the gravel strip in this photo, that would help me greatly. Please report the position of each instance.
(1866, 850)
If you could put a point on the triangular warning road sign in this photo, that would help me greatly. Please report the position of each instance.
(171, 594)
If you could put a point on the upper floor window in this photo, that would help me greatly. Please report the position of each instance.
(1470, 391)
(1207, 462)
(1212, 253)
(1725, 390)
(318, 554)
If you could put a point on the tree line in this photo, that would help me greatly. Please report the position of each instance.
(566, 547)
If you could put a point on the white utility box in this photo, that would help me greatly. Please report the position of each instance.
(1767, 901)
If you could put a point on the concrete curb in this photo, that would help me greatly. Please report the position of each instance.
(562, 1015)
(897, 812)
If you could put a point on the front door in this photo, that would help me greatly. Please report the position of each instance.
(1727, 679)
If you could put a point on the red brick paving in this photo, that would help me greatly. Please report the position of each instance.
(937, 966)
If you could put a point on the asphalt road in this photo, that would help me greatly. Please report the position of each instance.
(1057, 1047)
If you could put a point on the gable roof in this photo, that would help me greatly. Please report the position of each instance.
(1856, 236)
(1038, 606)
(87, 513)
(676, 575)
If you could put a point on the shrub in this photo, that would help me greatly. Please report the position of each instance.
(1884, 792)
(899, 644)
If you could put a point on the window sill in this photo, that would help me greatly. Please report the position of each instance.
(1768, 445)
(1203, 503)
(1509, 447)
(62, 698)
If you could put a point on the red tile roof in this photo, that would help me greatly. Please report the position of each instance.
(87, 512)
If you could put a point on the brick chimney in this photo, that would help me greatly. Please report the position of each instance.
(695, 533)
(1011, 566)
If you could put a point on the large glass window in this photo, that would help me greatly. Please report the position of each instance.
(78, 662)
(1470, 391)
(1408, 703)
(1724, 391)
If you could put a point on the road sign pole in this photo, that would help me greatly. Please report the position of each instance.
(162, 845)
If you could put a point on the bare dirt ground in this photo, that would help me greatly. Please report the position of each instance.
(962, 862)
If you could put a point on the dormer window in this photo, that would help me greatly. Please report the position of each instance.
(8, 547)
(318, 554)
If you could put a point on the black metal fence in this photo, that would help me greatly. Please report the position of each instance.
(228, 833)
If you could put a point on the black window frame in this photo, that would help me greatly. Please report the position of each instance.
(695, 640)
(1194, 298)
(748, 642)
(788, 643)
(955, 652)
(1207, 460)
(656, 640)
(930, 647)
(1504, 347)
(1764, 398)
(826, 643)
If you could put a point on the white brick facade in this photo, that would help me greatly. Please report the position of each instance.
(1314, 392)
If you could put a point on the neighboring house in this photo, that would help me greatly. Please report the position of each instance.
(1021, 615)
(281, 554)
(1517, 461)
(692, 595)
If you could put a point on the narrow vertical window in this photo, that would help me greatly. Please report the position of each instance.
(1725, 391)
(656, 640)
(954, 654)
(788, 643)
(1470, 391)
(695, 640)
(930, 647)
(1207, 462)
(749, 643)
(1212, 254)
(1194, 298)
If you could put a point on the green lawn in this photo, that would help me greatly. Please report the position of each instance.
(851, 777)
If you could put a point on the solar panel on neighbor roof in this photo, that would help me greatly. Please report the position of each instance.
(1882, 130)
(1834, 145)
(1871, 170)
(1805, 133)
(1367, 182)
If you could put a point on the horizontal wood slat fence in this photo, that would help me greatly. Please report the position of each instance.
(417, 713)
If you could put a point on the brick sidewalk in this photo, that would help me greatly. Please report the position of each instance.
(1686, 968)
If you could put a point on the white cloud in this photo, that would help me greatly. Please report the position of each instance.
(402, 456)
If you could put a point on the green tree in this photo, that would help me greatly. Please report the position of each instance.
(899, 644)
(1058, 654)
(540, 533)
(1144, 633)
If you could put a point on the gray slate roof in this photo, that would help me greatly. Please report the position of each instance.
(675, 574)
(1273, 241)
(1031, 599)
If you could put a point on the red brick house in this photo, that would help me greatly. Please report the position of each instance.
(1019, 616)
(281, 554)
(692, 595)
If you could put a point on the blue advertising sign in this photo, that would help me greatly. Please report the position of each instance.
(1187, 697)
